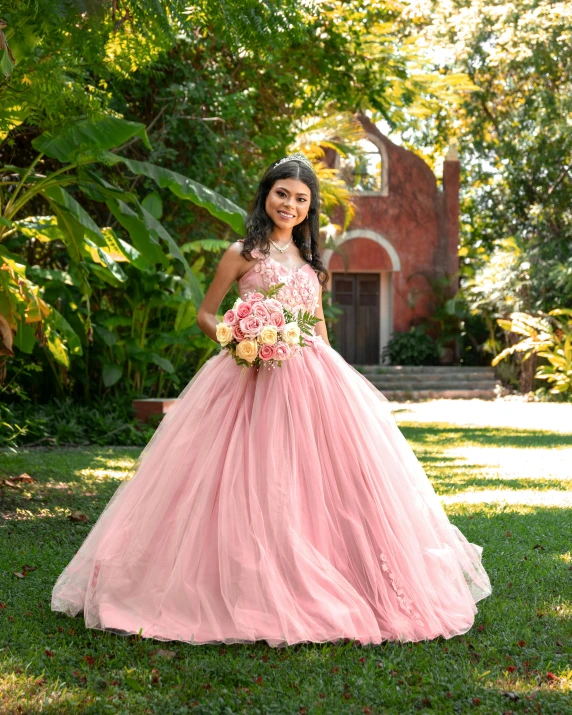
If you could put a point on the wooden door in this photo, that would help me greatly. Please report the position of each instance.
(357, 330)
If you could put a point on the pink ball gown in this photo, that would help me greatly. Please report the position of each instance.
(282, 505)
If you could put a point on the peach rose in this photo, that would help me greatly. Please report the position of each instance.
(277, 319)
(237, 333)
(251, 326)
(247, 350)
(223, 333)
(231, 317)
(267, 352)
(268, 335)
(291, 333)
(243, 310)
(282, 350)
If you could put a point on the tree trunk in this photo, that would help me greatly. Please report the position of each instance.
(527, 372)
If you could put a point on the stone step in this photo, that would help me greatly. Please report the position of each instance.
(424, 369)
(404, 380)
(427, 384)
(400, 395)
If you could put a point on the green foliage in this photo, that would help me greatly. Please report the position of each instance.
(414, 347)
(64, 421)
(548, 335)
(514, 136)
(89, 247)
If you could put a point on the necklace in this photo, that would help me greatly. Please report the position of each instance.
(281, 248)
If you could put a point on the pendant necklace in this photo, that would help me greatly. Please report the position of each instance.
(281, 248)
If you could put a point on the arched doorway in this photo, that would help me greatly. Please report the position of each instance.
(363, 288)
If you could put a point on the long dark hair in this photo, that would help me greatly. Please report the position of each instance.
(305, 235)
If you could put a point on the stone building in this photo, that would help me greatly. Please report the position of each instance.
(404, 236)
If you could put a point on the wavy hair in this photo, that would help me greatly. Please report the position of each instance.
(259, 225)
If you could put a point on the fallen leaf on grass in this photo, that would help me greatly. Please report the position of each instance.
(551, 676)
(511, 668)
(78, 516)
(24, 571)
(49, 653)
(16, 482)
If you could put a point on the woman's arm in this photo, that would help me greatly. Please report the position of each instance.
(320, 327)
(231, 266)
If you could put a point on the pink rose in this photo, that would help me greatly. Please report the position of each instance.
(260, 310)
(282, 350)
(238, 333)
(267, 352)
(231, 317)
(277, 319)
(273, 305)
(254, 297)
(251, 326)
(243, 310)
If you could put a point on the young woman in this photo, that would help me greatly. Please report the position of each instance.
(279, 504)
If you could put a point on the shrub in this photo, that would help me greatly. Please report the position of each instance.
(66, 422)
(411, 348)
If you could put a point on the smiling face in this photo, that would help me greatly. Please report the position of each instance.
(288, 203)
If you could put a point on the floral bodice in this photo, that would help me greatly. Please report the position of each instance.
(301, 287)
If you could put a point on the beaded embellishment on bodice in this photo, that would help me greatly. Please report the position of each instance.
(301, 286)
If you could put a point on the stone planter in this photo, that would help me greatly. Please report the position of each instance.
(146, 408)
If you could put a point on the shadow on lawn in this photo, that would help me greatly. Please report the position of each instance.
(443, 435)
(78, 479)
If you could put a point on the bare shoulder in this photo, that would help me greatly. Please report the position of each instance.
(235, 248)
(232, 254)
(232, 264)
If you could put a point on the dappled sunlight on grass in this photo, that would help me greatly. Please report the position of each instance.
(532, 497)
(98, 475)
(513, 463)
(514, 414)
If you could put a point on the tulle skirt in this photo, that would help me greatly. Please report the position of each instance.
(276, 504)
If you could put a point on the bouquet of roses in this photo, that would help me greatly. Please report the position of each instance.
(261, 331)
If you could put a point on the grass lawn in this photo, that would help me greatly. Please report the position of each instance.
(504, 487)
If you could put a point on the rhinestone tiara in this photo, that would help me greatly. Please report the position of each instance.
(295, 157)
